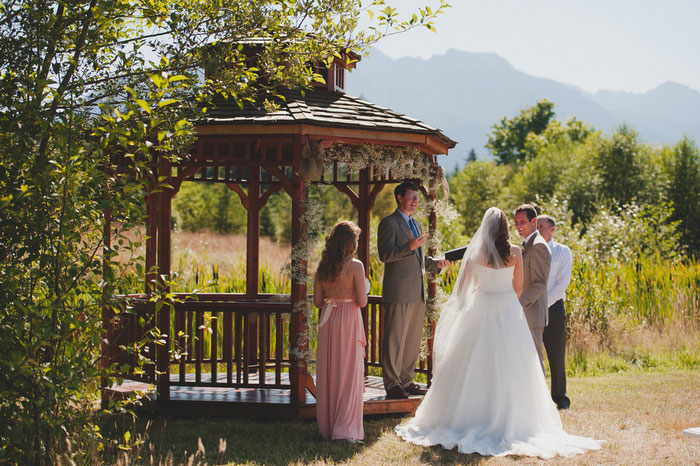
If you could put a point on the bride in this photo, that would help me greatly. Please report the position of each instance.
(488, 394)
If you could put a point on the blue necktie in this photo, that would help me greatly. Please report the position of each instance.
(412, 224)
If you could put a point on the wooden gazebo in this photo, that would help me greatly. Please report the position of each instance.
(252, 361)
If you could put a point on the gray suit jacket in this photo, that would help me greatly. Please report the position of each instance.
(537, 260)
(404, 270)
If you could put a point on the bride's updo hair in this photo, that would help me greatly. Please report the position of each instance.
(502, 239)
(340, 244)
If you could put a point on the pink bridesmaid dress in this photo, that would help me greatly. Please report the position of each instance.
(340, 367)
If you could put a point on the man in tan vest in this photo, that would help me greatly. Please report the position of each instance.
(537, 260)
(400, 241)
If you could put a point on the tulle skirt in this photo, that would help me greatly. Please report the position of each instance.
(488, 393)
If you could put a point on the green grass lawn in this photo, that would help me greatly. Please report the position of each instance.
(640, 414)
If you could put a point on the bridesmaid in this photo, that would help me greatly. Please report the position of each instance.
(340, 291)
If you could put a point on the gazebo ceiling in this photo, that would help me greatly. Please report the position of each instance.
(326, 115)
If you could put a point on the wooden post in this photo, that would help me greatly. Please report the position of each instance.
(253, 243)
(363, 211)
(163, 315)
(107, 312)
(253, 265)
(152, 204)
(432, 285)
(152, 235)
(298, 347)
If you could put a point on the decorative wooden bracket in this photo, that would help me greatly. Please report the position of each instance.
(310, 385)
(235, 187)
(354, 198)
(373, 195)
(266, 195)
(185, 173)
(280, 175)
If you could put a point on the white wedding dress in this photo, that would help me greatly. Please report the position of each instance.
(488, 393)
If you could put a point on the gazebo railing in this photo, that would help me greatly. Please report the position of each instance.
(227, 340)
(241, 344)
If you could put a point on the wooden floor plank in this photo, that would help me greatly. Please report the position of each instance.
(230, 401)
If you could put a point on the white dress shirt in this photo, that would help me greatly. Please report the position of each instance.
(559, 272)
(528, 237)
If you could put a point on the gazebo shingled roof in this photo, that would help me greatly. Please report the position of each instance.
(322, 107)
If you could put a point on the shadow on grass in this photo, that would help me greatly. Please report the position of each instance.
(270, 442)
(173, 440)
(439, 456)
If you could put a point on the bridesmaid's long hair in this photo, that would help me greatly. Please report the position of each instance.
(502, 239)
(340, 244)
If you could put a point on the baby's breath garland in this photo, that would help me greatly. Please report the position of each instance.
(403, 162)
(446, 213)
(400, 163)
(302, 255)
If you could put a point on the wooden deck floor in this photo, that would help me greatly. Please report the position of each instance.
(254, 402)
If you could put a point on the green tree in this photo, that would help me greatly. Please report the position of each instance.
(560, 165)
(508, 138)
(476, 188)
(619, 164)
(83, 83)
(684, 193)
(579, 183)
(201, 206)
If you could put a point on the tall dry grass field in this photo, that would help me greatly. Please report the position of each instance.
(643, 312)
(228, 252)
(201, 258)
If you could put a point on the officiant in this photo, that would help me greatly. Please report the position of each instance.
(554, 336)
(400, 240)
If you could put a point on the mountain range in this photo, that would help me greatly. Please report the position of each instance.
(465, 94)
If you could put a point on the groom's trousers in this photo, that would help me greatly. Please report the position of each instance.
(402, 333)
(554, 338)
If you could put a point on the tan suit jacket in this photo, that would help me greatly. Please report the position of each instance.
(537, 260)
(404, 270)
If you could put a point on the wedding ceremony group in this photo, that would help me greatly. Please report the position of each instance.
(488, 394)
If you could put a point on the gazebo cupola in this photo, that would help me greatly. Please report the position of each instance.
(334, 75)
(255, 359)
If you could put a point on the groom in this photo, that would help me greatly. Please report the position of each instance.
(537, 260)
(400, 245)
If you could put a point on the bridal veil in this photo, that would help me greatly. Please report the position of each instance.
(481, 251)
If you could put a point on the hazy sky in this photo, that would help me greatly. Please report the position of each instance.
(630, 45)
